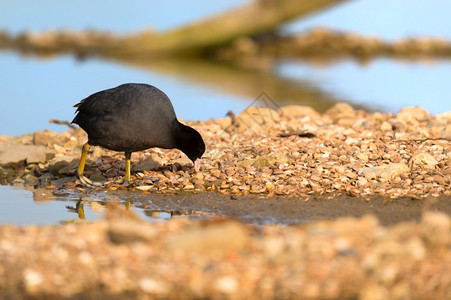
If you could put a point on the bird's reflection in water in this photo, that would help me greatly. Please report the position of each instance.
(159, 214)
(166, 214)
(79, 208)
(124, 209)
(85, 205)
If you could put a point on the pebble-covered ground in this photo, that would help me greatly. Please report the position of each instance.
(293, 152)
(118, 259)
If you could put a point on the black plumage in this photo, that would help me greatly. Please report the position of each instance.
(134, 117)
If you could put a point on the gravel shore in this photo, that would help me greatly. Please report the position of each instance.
(292, 152)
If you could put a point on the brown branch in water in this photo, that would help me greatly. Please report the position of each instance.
(317, 44)
(244, 33)
(327, 44)
(253, 18)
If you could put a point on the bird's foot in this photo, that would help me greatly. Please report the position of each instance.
(89, 183)
(123, 182)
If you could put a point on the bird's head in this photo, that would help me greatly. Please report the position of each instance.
(190, 142)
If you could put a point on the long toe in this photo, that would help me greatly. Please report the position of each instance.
(124, 182)
(89, 183)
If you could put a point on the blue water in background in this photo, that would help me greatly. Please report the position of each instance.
(32, 90)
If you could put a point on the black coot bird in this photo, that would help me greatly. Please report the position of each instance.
(134, 117)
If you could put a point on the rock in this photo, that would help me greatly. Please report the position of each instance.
(226, 285)
(412, 115)
(436, 228)
(442, 126)
(256, 119)
(424, 160)
(97, 152)
(198, 176)
(446, 116)
(130, 232)
(5, 138)
(388, 172)
(393, 170)
(152, 162)
(341, 110)
(98, 178)
(269, 186)
(371, 172)
(71, 168)
(57, 166)
(446, 132)
(81, 136)
(183, 161)
(224, 122)
(386, 126)
(362, 181)
(61, 181)
(437, 125)
(46, 138)
(32, 281)
(144, 187)
(188, 186)
(399, 126)
(30, 179)
(363, 156)
(268, 161)
(153, 286)
(298, 111)
(256, 189)
(352, 141)
(264, 161)
(6, 174)
(18, 182)
(216, 236)
(46, 178)
(15, 153)
(71, 143)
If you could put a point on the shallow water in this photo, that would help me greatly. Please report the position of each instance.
(40, 207)
(24, 207)
(43, 207)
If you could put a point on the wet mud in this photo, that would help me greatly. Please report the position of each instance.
(259, 210)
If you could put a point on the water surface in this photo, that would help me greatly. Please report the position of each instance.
(21, 206)
(383, 85)
(40, 206)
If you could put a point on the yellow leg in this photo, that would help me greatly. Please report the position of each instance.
(127, 166)
(84, 154)
(80, 210)
(81, 167)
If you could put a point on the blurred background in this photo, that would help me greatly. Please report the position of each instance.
(35, 89)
